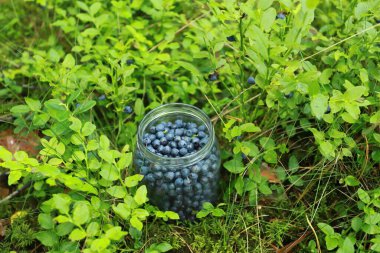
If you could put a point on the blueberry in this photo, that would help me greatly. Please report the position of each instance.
(185, 172)
(173, 144)
(151, 149)
(188, 133)
(213, 77)
(193, 176)
(204, 180)
(150, 178)
(130, 62)
(167, 150)
(174, 152)
(190, 147)
(186, 182)
(195, 169)
(156, 143)
(201, 134)
(160, 134)
(152, 129)
(251, 80)
(289, 95)
(127, 109)
(187, 189)
(198, 187)
(171, 186)
(194, 130)
(160, 127)
(182, 144)
(158, 174)
(169, 124)
(231, 38)
(147, 141)
(210, 175)
(202, 128)
(280, 16)
(204, 169)
(328, 110)
(183, 151)
(179, 131)
(164, 141)
(178, 122)
(169, 175)
(152, 137)
(196, 142)
(161, 149)
(144, 170)
(102, 97)
(177, 138)
(170, 136)
(203, 142)
(178, 182)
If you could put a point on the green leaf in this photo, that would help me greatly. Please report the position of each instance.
(132, 181)
(348, 246)
(34, 105)
(45, 220)
(327, 149)
(202, 213)
(85, 106)
(115, 233)
(104, 142)
(139, 107)
(99, 245)
(265, 189)
(351, 181)
(117, 191)
(141, 195)
(270, 156)
(76, 124)
(319, 104)
(235, 165)
(81, 213)
(172, 215)
(312, 4)
(64, 228)
(363, 196)
(77, 235)
(375, 118)
(47, 238)
(68, 62)
(5, 155)
(122, 210)
(326, 228)
(14, 176)
(332, 241)
(20, 109)
(190, 67)
(93, 229)
(356, 224)
(94, 8)
(268, 18)
(217, 212)
(61, 202)
(135, 222)
(163, 247)
(109, 173)
(57, 110)
(264, 4)
(88, 129)
(250, 128)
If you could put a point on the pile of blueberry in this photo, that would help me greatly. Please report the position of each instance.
(175, 139)
(179, 188)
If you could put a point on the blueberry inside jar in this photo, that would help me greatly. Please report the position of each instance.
(178, 154)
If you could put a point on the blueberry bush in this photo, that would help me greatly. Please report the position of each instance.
(291, 88)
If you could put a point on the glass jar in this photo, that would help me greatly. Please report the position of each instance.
(180, 184)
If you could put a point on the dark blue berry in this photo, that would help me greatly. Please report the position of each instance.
(152, 129)
(182, 144)
(231, 38)
(158, 174)
(185, 172)
(174, 152)
(150, 178)
(183, 151)
(152, 137)
(170, 136)
(201, 134)
(203, 142)
(178, 182)
(161, 149)
(193, 176)
(289, 95)
(167, 150)
(328, 110)
(188, 133)
(202, 128)
(173, 144)
(130, 62)
(156, 143)
(213, 77)
(178, 122)
(179, 131)
(160, 134)
(190, 147)
(151, 149)
(163, 141)
(144, 170)
(160, 127)
(177, 138)
(102, 97)
(251, 80)
(280, 16)
(127, 109)
(169, 175)
(147, 141)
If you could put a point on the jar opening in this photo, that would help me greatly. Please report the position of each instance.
(171, 112)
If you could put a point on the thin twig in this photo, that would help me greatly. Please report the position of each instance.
(315, 234)
(13, 194)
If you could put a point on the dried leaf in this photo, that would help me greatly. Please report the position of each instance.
(15, 142)
(268, 172)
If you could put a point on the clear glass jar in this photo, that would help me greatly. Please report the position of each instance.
(196, 176)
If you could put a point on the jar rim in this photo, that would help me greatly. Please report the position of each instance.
(175, 108)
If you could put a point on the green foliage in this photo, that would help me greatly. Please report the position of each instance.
(312, 117)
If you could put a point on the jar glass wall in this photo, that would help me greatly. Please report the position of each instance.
(183, 182)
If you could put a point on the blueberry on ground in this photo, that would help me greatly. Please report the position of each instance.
(130, 61)
(127, 109)
(102, 97)
(251, 80)
(231, 38)
(328, 110)
(213, 77)
(281, 16)
(289, 95)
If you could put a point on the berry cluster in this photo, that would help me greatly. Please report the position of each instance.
(182, 189)
(175, 139)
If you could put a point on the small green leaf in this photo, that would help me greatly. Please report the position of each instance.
(117, 191)
(141, 195)
(351, 181)
(115, 233)
(356, 224)
(363, 196)
(319, 105)
(47, 238)
(249, 128)
(34, 105)
(172, 215)
(81, 213)
(132, 181)
(88, 129)
(326, 228)
(45, 220)
(5, 155)
(235, 165)
(99, 245)
(202, 214)
(135, 222)
(348, 246)
(93, 229)
(85, 106)
(20, 109)
(139, 107)
(14, 176)
(163, 247)
(69, 61)
(64, 228)
(77, 235)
